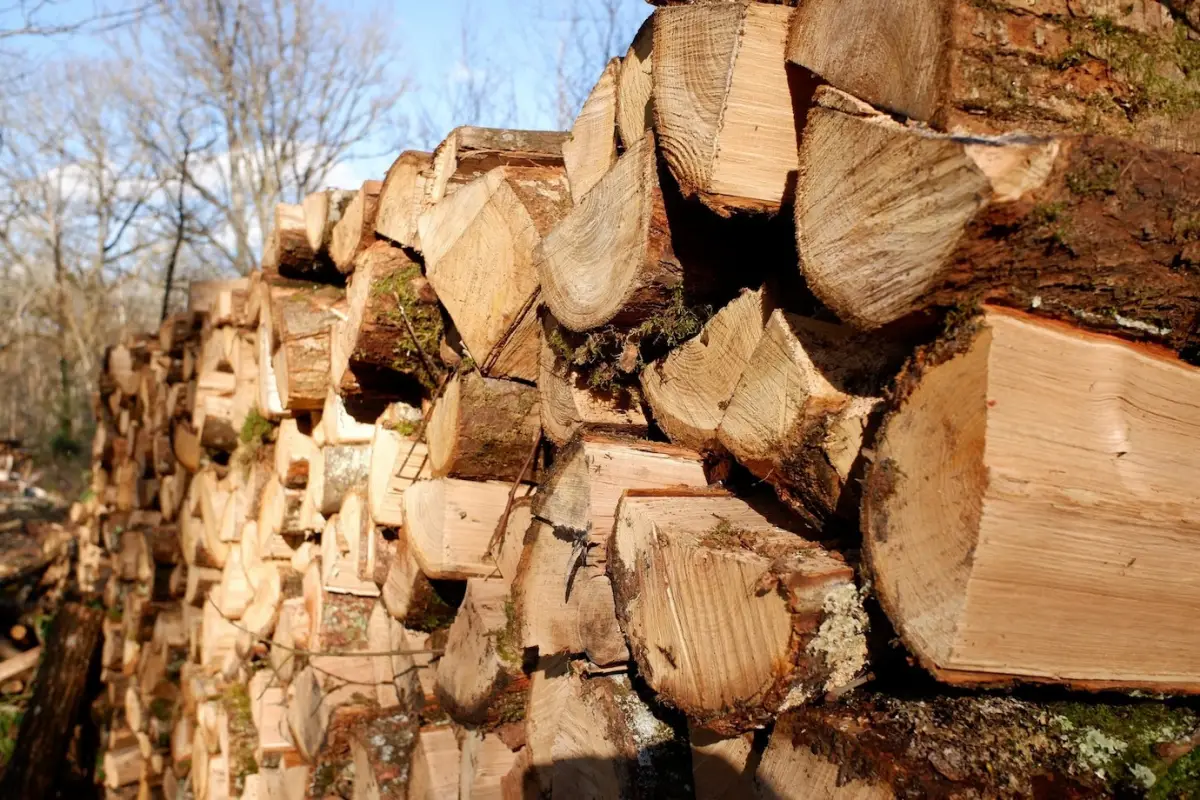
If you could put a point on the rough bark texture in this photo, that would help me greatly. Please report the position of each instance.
(46, 728)
(483, 428)
(1120, 69)
(1094, 230)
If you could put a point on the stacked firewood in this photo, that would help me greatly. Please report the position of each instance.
(689, 452)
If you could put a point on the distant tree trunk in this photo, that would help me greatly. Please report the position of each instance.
(46, 728)
(180, 221)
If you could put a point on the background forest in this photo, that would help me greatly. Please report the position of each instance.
(143, 146)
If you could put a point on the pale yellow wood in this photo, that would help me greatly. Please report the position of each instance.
(435, 765)
(485, 761)
(479, 248)
(693, 573)
(719, 764)
(794, 772)
(1030, 465)
(396, 461)
(723, 104)
(690, 388)
(481, 651)
(591, 149)
(450, 522)
(400, 199)
(635, 86)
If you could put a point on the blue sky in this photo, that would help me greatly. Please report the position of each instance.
(511, 47)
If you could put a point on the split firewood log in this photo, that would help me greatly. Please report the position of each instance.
(294, 454)
(569, 406)
(322, 212)
(591, 149)
(287, 252)
(480, 242)
(401, 199)
(485, 762)
(479, 677)
(355, 231)
(808, 398)
(794, 623)
(483, 428)
(690, 388)
(435, 764)
(620, 256)
(1102, 497)
(984, 69)
(470, 152)
(347, 536)
(722, 766)
(409, 596)
(302, 318)
(562, 594)
(338, 469)
(724, 107)
(450, 523)
(894, 221)
(635, 87)
(350, 420)
(597, 732)
(392, 327)
(397, 460)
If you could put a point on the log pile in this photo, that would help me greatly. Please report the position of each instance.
(560, 462)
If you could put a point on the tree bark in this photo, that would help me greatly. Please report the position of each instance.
(483, 428)
(974, 68)
(45, 731)
(894, 221)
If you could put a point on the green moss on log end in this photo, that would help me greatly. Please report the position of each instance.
(243, 736)
(401, 308)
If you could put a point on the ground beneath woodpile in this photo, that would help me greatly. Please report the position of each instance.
(36, 568)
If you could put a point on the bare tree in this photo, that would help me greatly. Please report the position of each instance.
(284, 89)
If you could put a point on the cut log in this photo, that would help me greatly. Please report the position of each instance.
(409, 596)
(186, 445)
(1102, 498)
(591, 149)
(479, 677)
(562, 592)
(355, 231)
(350, 420)
(569, 406)
(986, 69)
(381, 746)
(808, 397)
(302, 363)
(294, 454)
(470, 152)
(435, 765)
(343, 543)
(397, 460)
(286, 251)
(42, 739)
(599, 734)
(893, 220)
(778, 621)
(339, 469)
(450, 523)
(322, 212)
(400, 199)
(724, 108)
(485, 761)
(480, 243)
(874, 747)
(690, 388)
(619, 256)
(635, 87)
(722, 766)
(483, 428)
(390, 337)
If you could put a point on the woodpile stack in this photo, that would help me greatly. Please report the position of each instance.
(570, 462)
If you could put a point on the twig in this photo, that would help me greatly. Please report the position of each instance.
(497, 539)
(425, 362)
